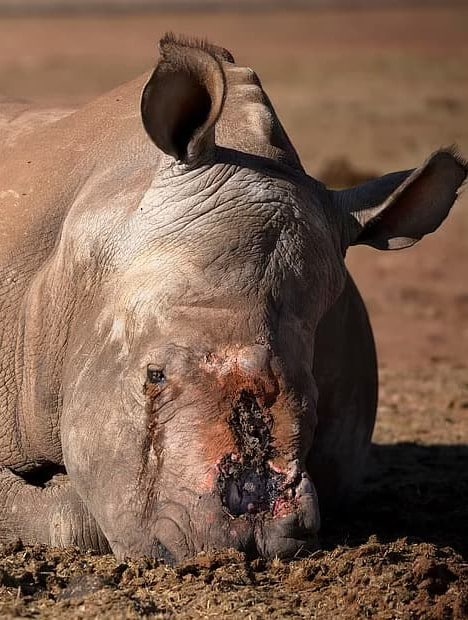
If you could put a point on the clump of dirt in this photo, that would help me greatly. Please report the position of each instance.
(399, 579)
(340, 173)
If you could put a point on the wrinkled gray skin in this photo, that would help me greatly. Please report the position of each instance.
(185, 361)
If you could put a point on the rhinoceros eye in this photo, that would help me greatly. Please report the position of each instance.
(155, 374)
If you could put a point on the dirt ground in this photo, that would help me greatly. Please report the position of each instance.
(361, 93)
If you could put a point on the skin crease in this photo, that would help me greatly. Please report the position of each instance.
(219, 263)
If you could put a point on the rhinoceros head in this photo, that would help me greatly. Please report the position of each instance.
(190, 403)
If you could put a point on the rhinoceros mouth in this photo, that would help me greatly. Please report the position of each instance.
(181, 533)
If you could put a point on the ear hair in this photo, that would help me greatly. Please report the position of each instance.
(193, 42)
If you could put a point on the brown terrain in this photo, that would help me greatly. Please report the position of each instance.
(361, 93)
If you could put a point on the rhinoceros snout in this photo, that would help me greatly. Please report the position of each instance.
(248, 482)
(281, 507)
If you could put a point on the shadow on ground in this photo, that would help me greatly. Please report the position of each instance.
(414, 491)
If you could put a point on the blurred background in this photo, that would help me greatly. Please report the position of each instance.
(363, 88)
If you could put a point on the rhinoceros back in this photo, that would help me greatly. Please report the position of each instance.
(45, 164)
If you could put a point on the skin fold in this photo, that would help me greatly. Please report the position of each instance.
(186, 363)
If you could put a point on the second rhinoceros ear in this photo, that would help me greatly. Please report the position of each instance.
(397, 210)
(183, 99)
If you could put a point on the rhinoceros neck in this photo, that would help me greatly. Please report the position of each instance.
(248, 122)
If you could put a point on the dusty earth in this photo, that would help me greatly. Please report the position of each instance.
(361, 93)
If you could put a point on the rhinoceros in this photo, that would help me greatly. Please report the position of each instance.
(186, 363)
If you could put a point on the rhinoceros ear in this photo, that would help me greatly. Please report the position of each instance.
(183, 98)
(397, 210)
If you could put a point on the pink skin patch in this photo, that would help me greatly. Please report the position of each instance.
(284, 507)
